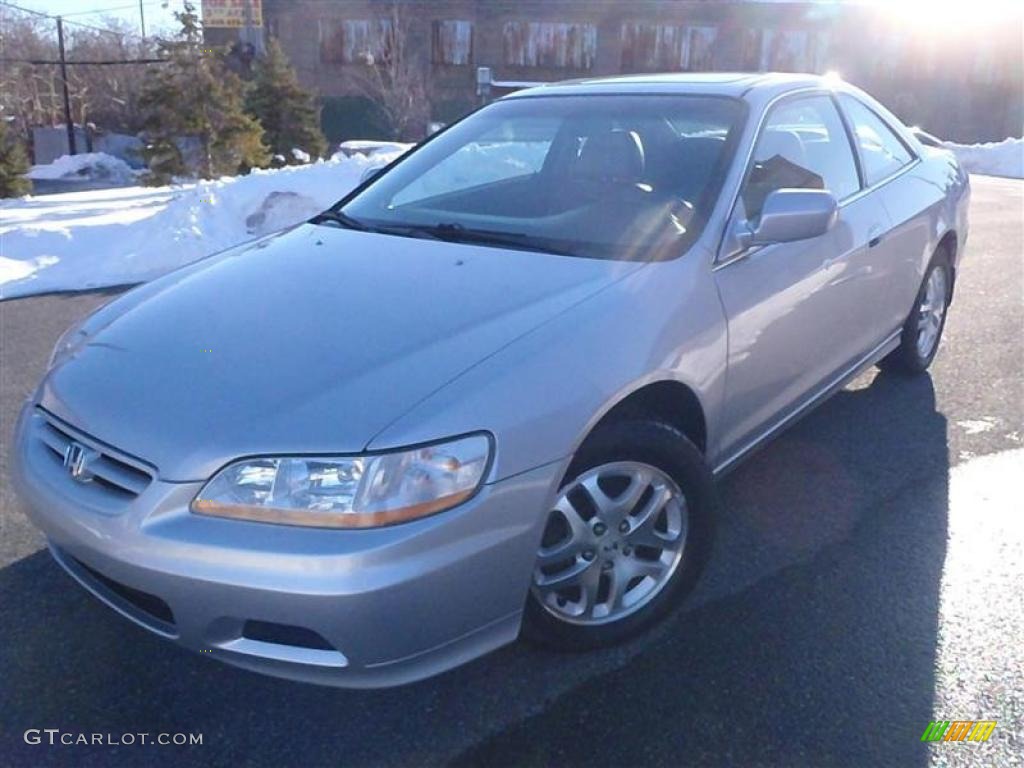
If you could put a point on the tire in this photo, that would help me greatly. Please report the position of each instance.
(619, 458)
(912, 357)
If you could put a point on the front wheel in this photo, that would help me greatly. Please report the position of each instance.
(923, 328)
(626, 538)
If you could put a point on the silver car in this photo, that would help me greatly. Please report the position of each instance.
(488, 393)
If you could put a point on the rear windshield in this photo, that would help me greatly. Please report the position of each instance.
(621, 177)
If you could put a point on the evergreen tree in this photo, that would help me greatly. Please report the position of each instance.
(284, 109)
(13, 165)
(195, 95)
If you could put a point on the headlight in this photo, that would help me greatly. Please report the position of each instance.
(70, 340)
(348, 492)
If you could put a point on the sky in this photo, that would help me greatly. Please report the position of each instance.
(159, 13)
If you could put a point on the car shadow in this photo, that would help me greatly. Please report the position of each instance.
(812, 641)
(814, 636)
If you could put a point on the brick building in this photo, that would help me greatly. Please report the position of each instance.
(918, 75)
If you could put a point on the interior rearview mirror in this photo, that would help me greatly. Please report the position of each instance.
(793, 214)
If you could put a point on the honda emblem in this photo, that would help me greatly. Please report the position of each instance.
(76, 459)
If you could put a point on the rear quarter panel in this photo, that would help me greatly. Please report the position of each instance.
(923, 204)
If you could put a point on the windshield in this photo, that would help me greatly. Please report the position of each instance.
(621, 177)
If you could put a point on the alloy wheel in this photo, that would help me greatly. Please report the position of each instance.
(930, 312)
(613, 541)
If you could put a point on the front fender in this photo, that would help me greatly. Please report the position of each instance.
(541, 395)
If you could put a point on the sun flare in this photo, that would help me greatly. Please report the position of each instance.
(930, 14)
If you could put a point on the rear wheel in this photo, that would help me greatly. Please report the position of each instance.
(626, 539)
(923, 329)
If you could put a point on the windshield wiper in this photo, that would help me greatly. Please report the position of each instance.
(457, 233)
(342, 219)
(451, 232)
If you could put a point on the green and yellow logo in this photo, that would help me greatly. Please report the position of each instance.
(959, 730)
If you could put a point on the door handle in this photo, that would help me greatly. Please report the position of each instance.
(874, 236)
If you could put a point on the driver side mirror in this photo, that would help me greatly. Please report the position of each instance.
(793, 214)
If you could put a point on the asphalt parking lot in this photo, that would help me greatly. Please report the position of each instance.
(869, 577)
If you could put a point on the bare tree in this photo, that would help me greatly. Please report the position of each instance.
(30, 91)
(108, 95)
(393, 78)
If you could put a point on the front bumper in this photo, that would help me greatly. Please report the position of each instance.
(366, 608)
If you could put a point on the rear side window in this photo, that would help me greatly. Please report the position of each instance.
(881, 150)
(803, 146)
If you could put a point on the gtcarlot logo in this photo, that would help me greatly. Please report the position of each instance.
(56, 737)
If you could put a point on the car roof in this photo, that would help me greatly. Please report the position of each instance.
(734, 84)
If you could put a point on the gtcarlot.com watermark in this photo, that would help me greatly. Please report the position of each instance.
(57, 737)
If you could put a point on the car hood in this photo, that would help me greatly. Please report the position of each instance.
(310, 341)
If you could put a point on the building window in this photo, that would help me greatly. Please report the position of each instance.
(660, 48)
(702, 49)
(652, 48)
(550, 45)
(983, 68)
(900, 55)
(786, 50)
(925, 58)
(890, 46)
(452, 42)
(355, 41)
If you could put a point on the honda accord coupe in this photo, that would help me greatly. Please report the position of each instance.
(488, 392)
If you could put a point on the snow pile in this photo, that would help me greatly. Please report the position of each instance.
(1002, 158)
(108, 237)
(92, 166)
(369, 147)
(125, 235)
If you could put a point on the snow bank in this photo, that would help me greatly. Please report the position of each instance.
(369, 147)
(94, 239)
(92, 165)
(109, 237)
(1002, 158)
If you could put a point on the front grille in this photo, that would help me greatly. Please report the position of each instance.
(113, 478)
